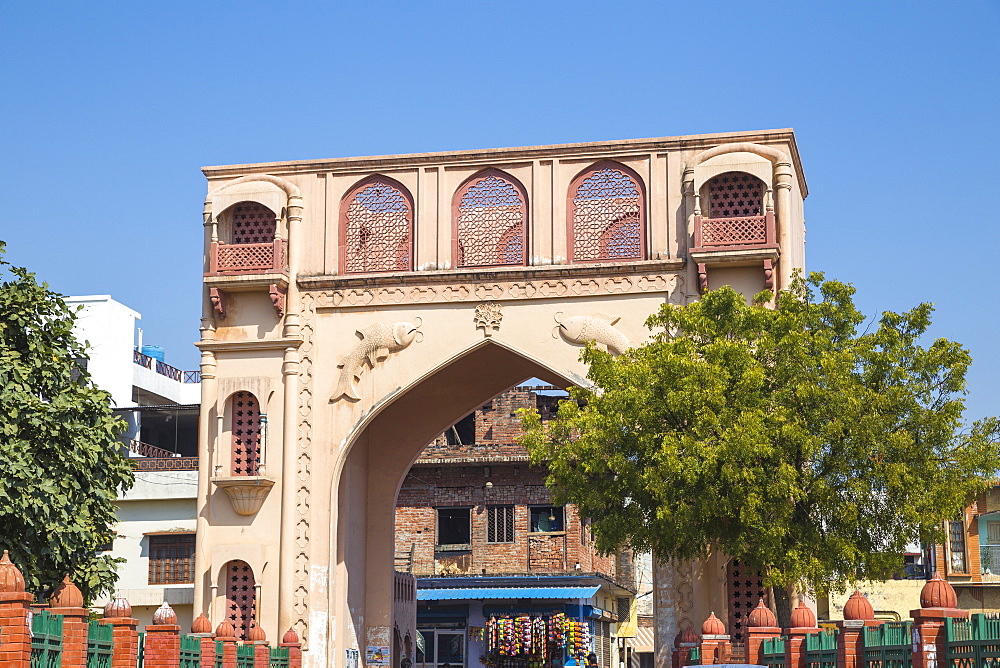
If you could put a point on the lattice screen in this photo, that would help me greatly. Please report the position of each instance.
(607, 217)
(491, 223)
(240, 597)
(735, 195)
(251, 223)
(745, 589)
(500, 524)
(246, 434)
(378, 234)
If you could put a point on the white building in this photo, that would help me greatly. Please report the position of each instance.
(155, 533)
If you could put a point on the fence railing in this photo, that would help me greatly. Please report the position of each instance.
(244, 656)
(889, 645)
(190, 654)
(279, 657)
(100, 645)
(247, 258)
(147, 450)
(973, 642)
(774, 652)
(46, 640)
(165, 369)
(821, 649)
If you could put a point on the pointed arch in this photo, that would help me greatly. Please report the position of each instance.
(606, 210)
(490, 221)
(376, 227)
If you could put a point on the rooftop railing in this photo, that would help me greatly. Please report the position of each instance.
(165, 369)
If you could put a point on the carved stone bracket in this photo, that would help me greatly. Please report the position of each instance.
(703, 277)
(246, 493)
(768, 274)
(377, 341)
(277, 296)
(218, 300)
(488, 316)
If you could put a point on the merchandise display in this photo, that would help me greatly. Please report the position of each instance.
(535, 641)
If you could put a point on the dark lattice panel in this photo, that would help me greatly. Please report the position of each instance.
(251, 223)
(607, 217)
(491, 216)
(378, 234)
(171, 559)
(735, 195)
(240, 597)
(745, 589)
(500, 524)
(246, 434)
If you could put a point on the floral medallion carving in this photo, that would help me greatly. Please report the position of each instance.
(488, 316)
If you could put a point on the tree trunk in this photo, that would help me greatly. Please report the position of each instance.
(781, 605)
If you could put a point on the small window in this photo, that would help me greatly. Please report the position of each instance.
(171, 559)
(453, 526)
(547, 519)
(500, 524)
(956, 541)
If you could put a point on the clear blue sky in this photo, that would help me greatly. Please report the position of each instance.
(108, 110)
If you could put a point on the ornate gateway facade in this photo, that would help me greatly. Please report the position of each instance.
(355, 308)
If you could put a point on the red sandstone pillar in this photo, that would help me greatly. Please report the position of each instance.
(714, 641)
(163, 640)
(803, 622)
(125, 650)
(15, 635)
(761, 625)
(858, 613)
(261, 650)
(225, 633)
(937, 603)
(67, 600)
(291, 641)
(201, 628)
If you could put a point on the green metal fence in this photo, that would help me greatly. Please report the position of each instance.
(190, 655)
(888, 645)
(244, 656)
(279, 657)
(774, 652)
(218, 654)
(100, 645)
(694, 658)
(46, 640)
(821, 649)
(140, 654)
(973, 642)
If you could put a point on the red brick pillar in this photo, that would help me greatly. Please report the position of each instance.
(803, 622)
(67, 600)
(163, 640)
(761, 625)
(937, 603)
(118, 614)
(291, 641)
(201, 628)
(858, 613)
(261, 649)
(225, 633)
(715, 646)
(15, 634)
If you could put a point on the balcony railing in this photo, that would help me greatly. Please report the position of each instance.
(989, 559)
(734, 232)
(165, 369)
(147, 450)
(233, 259)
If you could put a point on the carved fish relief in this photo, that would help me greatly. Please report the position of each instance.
(377, 341)
(598, 328)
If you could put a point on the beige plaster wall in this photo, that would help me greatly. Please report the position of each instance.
(889, 597)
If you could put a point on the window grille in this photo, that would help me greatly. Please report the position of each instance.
(251, 223)
(241, 597)
(378, 228)
(623, 608)
(500, 524)
(735, 195)
(245, 434)
(491, 216)
(171, 559)
(957, 544)
(607, 215)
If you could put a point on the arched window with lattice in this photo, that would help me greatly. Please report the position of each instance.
(245, 433)
(733, 210)
(376, 227)
(249, 241)
(241, 597)
(607, 214)
(491, 221)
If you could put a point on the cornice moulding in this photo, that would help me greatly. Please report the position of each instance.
(257, 344)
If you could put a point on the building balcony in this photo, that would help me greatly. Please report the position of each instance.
(989, 560)
(744, 235)
(244, 259)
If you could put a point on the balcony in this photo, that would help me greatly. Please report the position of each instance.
(989, 560)
(243, 259)
(165, 369)
(739, 241)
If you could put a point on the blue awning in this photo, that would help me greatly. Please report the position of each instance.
(484, 593)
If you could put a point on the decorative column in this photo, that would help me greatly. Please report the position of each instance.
(803, 622)
(118, 614)
(761, 625)
(858, 613)
(226, 634)
(201, 628)
(163, 640)
(261, 649)
(938, 602)
(714, 641)
(783, 175)
(15, 634)
(685, 641)
(67, 600)
(291, 641)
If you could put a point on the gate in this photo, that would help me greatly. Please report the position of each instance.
(100, 645)
(46, 640)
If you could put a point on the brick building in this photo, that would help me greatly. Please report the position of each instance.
(477, 526)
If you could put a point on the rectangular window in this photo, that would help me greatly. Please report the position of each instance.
(171, 559)
(453, 527)
(956, 543)
(500, 524)
(547, 519)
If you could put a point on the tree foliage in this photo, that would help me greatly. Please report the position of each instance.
(783, 437)
(60, 461)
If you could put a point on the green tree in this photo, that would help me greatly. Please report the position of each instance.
(783, 437)
(60, 461)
